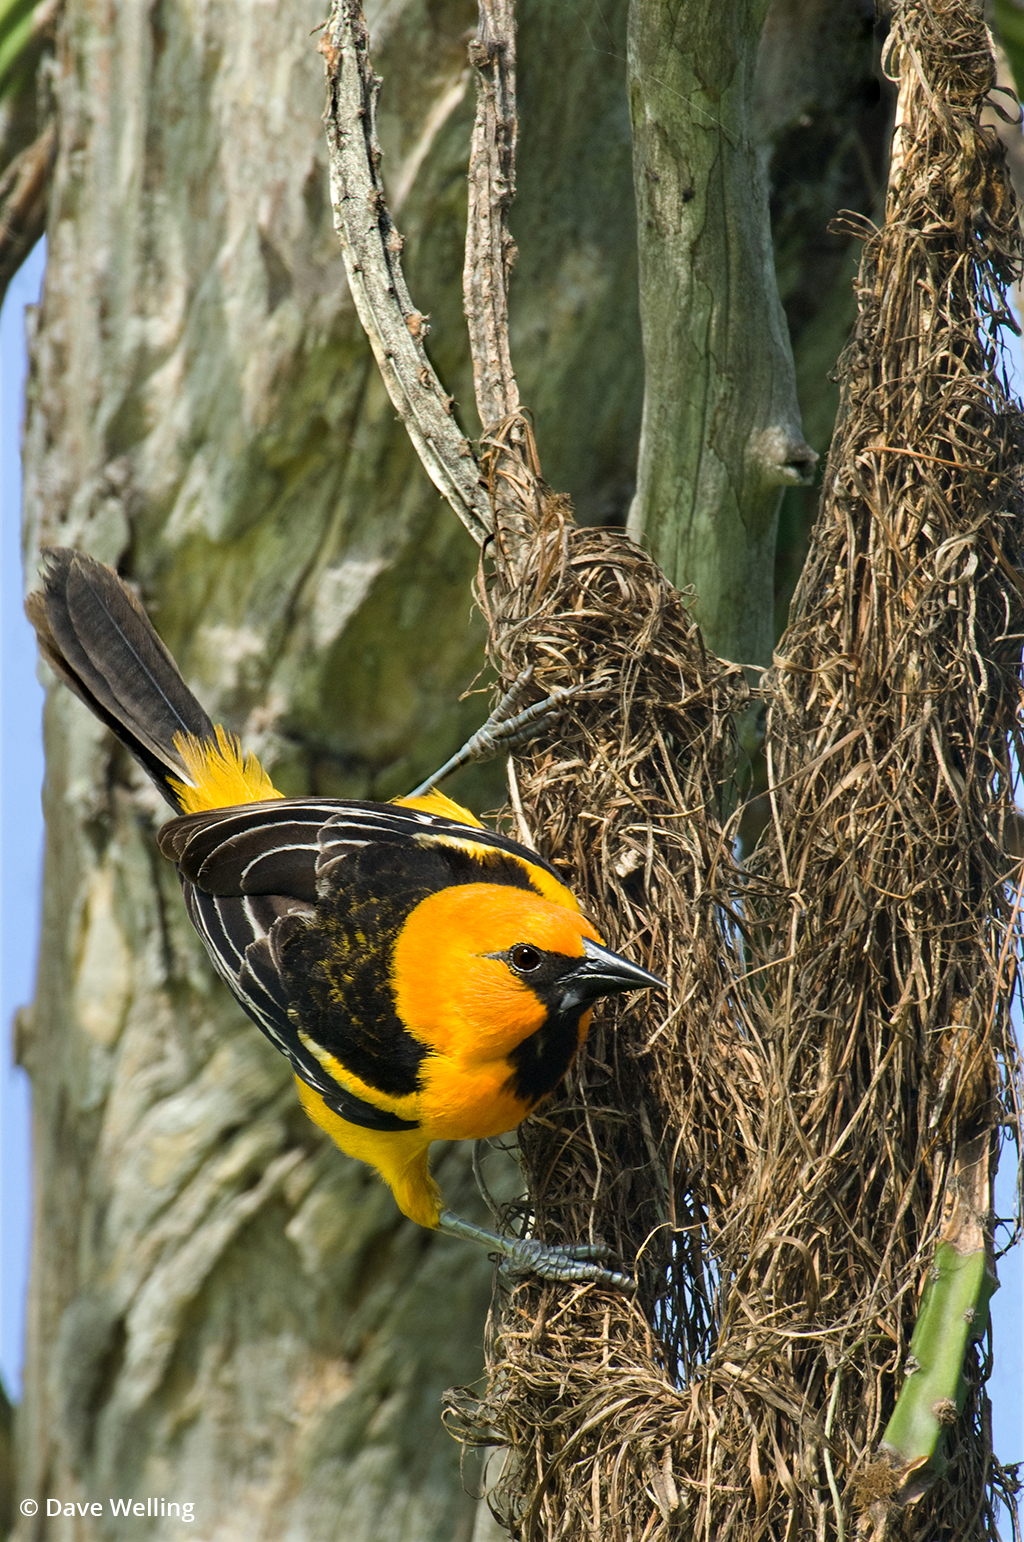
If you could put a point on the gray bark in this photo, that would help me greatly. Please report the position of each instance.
(224, 1310)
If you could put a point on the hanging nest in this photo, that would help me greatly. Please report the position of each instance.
(780, 1152)
(629, 801)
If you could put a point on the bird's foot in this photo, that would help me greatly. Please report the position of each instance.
(506, 729)
(570, 1263)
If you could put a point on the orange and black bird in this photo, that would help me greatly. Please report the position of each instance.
(427, 978)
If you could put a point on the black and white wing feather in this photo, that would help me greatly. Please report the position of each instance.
(261, 877)
(249, 878)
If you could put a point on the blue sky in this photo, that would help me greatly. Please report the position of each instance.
(21, 775)
(21, 825)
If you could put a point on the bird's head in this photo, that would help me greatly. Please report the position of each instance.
(487, 972)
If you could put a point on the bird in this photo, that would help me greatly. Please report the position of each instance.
(428, 978)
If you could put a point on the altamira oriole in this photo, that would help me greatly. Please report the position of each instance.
(427, 978)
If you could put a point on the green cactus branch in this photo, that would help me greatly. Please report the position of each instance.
(953, 1315)
(1008, 25)
(19, 26)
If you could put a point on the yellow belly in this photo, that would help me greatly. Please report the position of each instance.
(400, 1156)
(454, 1103)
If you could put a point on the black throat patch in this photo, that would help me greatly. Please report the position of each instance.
(540, 1062)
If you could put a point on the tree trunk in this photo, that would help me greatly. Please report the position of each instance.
(721, 427)
(226, 1312)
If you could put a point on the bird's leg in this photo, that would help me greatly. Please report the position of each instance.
(572, 1263)
(504, 730)
(481, 1182)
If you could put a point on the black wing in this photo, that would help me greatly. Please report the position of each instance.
(248, 875)
(273, 887)
(249, 848)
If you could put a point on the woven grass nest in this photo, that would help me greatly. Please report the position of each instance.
(782, 1152)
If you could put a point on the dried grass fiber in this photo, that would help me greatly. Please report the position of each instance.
(779, 1150)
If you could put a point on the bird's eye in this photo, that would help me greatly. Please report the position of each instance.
(524, 958)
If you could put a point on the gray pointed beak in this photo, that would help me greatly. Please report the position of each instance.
(603, 973)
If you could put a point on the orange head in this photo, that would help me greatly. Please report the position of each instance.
(499, 982)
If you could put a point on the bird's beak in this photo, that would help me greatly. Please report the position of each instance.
(602, 973)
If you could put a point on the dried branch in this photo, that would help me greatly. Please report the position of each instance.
(24, 188)
(490, 249)
(510, 458)
(372, 247)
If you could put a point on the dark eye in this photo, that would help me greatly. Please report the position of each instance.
(524, 958)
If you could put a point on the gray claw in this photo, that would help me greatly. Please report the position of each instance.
(505, 729)
(571, 1263)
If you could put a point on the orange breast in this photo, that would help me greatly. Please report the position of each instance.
(468, 1007)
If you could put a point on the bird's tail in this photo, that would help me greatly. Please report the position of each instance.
(96, 636)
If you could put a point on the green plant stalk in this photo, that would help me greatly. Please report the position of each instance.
(1008, 24)
(17, 30)
(953, 1314)
(11, 13)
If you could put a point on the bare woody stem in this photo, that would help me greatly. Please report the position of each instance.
(490, 249)
(510, 453)
(372, 245)
(508, 497)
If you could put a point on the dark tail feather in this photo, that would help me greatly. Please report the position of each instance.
(96, 636)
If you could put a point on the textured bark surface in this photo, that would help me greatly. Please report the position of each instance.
(224, 1310)
(721, 426)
